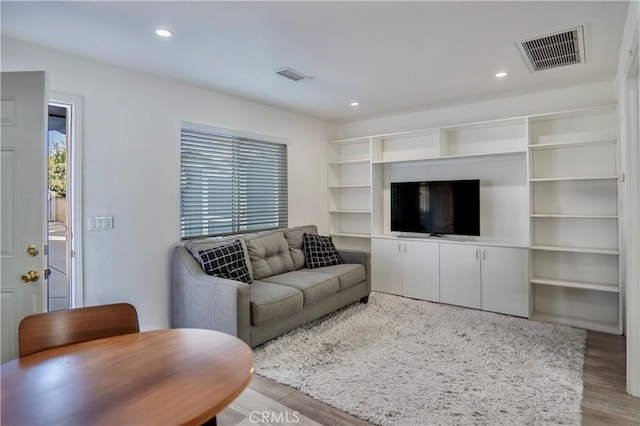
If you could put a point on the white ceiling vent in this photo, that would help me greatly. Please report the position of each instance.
(292, 74)
(554, 50)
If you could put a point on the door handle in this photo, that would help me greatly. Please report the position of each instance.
(30, 276)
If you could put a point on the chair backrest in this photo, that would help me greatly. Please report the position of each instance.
(59, 328)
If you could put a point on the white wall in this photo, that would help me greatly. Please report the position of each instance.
(575, 97)
(131, 161)
(630, 162)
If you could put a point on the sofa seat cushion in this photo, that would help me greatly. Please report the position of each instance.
(349, 274)
(269, 254)
(315, 286)
(270, 301)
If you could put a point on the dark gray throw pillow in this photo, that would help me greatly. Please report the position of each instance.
(226, 261)
(320, 251)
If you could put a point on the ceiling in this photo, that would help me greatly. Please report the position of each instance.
(392, 57)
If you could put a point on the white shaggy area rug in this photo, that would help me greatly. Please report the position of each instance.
(399, 361)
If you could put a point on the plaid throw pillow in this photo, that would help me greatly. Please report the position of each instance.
(320, 251)
(226, 261)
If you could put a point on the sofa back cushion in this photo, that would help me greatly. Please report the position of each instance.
(203, 244)
(296, 246)
(269, 255)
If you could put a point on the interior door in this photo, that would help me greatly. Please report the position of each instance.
(23, 215)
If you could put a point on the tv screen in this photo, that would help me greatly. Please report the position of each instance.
(436, 207)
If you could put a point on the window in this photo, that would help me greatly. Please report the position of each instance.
(230, 182)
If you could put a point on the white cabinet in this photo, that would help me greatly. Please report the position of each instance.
(490, 278)
(420, 270)
(460, 275)
(504, 280)
(386, 266)
(406, 268)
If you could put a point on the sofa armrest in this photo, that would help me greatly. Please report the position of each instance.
(199, 300)
(360, 257)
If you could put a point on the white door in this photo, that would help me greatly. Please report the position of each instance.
(386, 265)
(23, 217)
(422, 270)
(460, 275)
(505, 287)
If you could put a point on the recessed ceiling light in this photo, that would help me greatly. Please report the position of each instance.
(161, 32)
(354, 103)
(501, 74)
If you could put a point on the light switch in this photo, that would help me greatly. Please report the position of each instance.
(99, 223)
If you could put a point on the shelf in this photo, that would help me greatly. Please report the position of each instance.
(342, 162)
(575, 216)
(574, 144)
(573, 113)
(575, 284)
(604, 327)
(413, 160)
(574, 179)
(485, 154)
(349, 186)
(350, 141)
(454, 157)
(351, 211)
(350, 235)
(575, 249)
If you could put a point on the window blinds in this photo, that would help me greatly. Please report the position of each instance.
(230, 183)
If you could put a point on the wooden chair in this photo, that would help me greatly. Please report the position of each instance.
(59, 328)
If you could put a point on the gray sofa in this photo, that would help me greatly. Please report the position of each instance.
(284, 292)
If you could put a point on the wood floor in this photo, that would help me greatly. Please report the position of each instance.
(604, 402)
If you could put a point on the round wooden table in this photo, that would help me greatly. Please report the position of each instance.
(162, 377)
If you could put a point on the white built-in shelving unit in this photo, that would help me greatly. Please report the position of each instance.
(548, 186)
(349, 177)
(575, 258)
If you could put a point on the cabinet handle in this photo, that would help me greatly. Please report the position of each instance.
(477, 253)
(399, 248)
(484, 254)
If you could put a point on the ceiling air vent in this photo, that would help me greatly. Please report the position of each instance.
(554, 50)
(292, 74)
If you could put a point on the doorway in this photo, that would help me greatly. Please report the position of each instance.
(59, 255)
(64, 283)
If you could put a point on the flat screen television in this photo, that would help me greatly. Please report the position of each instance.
(436, 207)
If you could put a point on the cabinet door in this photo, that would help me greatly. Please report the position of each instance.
(504, 280)
(421, 270)
(386, 265)
(460, 275)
